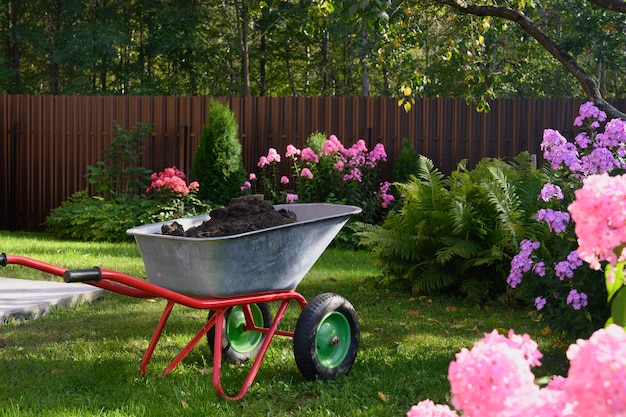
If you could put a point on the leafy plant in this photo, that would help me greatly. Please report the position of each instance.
(458, 234)
(119, 172)
(218, 164)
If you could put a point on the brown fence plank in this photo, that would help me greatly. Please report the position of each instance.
(46, 142)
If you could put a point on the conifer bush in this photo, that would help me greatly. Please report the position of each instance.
(218, 164)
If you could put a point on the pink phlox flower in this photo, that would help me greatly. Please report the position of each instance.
(246, 186)
(273, 156)
(284, 180)
(292, 151)
(195, 185)
(291, 198)
(595, 383)
(353, 175)
(339, 165)
(427, 408)
(309, 155)
(252, 176)
(378, 154)
(262, 162)
(599, 215)
(306, 173)
(332, 145)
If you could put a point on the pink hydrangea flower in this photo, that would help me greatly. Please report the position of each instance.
(497, 368)
(599, 214)
(595, 383)
(427, 408)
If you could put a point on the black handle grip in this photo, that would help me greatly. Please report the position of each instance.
(4, 261)
(82, 275)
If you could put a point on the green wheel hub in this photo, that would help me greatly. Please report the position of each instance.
(332, 341)
(240, 340)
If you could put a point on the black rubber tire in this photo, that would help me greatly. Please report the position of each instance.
(229, 353)
(305, 349)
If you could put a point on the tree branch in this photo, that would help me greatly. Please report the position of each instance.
(588, 83)
(613, 5)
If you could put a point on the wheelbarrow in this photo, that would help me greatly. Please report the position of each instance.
(235, 278)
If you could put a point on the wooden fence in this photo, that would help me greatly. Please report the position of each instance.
(46, 142)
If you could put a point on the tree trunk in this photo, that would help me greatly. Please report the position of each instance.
(243, 19)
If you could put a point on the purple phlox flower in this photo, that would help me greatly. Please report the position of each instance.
(574, 259)
(378, 154)
(603, 140)
(582, 140)
(557, 220)
(588, 110)
(616, 129)
(550, 190)
(559, 151)
(599, 161)
(540, 268)
(577, 299)
(522, 262)
(540, 303)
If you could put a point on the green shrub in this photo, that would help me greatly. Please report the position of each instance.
(218, 164)
(456, 235)
(87, 218)
(406, 163)
(119, 172)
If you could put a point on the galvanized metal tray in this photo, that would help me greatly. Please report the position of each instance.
(267, 260)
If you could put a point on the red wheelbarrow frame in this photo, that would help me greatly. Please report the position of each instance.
(120, 283)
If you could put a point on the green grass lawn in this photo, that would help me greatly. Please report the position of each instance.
(85, 361)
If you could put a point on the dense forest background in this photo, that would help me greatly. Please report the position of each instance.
(304, 48)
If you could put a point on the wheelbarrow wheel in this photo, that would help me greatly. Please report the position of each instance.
(326, 337)
(238, 344)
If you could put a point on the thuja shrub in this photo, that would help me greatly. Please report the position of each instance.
(456, 235)
(217, 163)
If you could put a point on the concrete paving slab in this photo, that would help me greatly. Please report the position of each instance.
(28, 299)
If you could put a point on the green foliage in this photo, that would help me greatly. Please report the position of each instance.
(406, 163)
(456, 234)
(87, 218)
(119, 173)
(218, 164)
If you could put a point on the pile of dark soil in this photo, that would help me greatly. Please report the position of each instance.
(243, 214)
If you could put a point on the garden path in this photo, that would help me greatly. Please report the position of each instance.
(28, 299)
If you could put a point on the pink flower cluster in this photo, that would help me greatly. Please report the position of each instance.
(494, 379)
(599, 214)
(172, 180)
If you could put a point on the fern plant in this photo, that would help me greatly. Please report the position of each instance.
(456, 234)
